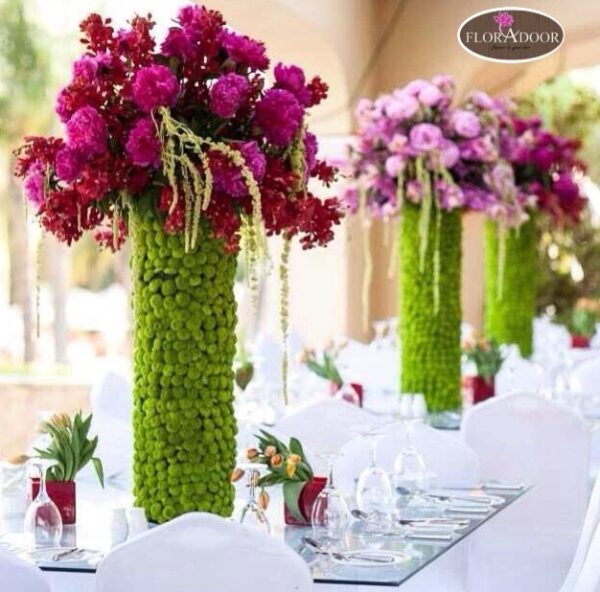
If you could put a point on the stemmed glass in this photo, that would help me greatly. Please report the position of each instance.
(252, 514)
(330, 516)
(374, 488)
(380, 328)
(43, 524)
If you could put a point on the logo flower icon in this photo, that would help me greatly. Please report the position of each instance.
(504, 19)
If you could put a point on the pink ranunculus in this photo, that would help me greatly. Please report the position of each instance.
(430, 95)
(465, 123)
(394, 165)
(279, 114)
(87, 132)
(155, 86)
(449, 154)
(143, 145)
(401, 106)
(425, 137)
(68, 164)
(227, 94)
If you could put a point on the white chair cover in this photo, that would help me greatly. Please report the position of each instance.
(326, 426)
(452, 462)
(525, 438)
(203, 552)
(590, 525)
(111, 402)
(589, 577)
(585, 377)
(519, 375)
(17, 575)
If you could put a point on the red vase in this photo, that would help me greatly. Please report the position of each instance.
(62, 493)
(580, 341)
(307, 498)
(480, 388)
(334, 387)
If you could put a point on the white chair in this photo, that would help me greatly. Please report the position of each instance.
(589, 577)
(326, 426)
(585, 377)
(111, 401)
(17, 575)
(590, 526)
(203, 552)
(525, 438)
(519, 375)
(448, 457)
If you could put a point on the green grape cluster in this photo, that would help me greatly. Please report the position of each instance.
(509, 312)
(184, 344)
(430, 339)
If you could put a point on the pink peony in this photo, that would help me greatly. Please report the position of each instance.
(155, 86)
(177, 44)
(292, 79)
(62, 108)
(449, 154)
(279, 114)
(430, 95)
(142, 144)
(425, 137)
(87, 132)
(85, 67)
(465, 123)
(394, 165)
(228, 178)
(244, 50)
(34, 185)
(68, 164)
(227, 94)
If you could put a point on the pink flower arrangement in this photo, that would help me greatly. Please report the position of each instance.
(143, 120)
(414, 141)
(504, 19)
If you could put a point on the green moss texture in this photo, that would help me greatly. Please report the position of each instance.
(184, 332)
(431, 340)
(509, 313)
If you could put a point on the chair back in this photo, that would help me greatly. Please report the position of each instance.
(18, 575)
(519, 375)
(203, 552)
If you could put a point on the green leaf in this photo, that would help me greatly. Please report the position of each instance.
(99, 469)
(291, 494)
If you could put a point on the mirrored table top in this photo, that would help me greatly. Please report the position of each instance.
(92, 533)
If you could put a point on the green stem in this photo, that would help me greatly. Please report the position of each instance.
(509, 312)
(184, 330)
(431, 341)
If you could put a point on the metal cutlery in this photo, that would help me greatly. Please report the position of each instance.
(316, 547)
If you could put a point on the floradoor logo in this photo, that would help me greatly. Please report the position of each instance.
(510, 35)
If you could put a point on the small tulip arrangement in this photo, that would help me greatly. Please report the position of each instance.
(287, 466)
(486, 355)
(583, 321)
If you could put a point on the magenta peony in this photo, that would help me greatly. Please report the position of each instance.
(68, 164)
(87, 132)
(292, 79)
(244, 50)
(228, 178)
(155, 86)
(227, 94)
(143, 145)
(279, 114)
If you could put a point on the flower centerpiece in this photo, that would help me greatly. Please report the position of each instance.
(287, 466)
(421, 158)
(486, 358)
(584, 319)
(325, 367)
(69, 450)
(186, 147)
(544, 165)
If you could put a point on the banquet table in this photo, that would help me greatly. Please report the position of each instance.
(93, 532)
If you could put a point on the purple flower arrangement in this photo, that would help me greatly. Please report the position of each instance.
(413, 144)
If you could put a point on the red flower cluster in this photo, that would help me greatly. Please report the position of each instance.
(212, 81)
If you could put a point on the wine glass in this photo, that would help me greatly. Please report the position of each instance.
(43, 524)
(252, 514)
(374, 488)
(410, 472)
(379, 327)
(330, 516)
